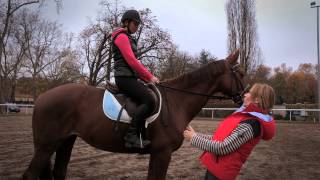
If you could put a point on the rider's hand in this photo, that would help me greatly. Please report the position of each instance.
(154, 80)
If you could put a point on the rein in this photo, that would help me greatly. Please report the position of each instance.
(195, 93)
(236, 97)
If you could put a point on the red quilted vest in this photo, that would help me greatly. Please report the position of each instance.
(227, 167)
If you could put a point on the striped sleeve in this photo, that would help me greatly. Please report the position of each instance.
(205, 136)
(239, 136)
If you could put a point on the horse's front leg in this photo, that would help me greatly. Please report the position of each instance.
(158, 164)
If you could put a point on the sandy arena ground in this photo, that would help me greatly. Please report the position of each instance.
(293, 154)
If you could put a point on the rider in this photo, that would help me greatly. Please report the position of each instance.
(128, 69)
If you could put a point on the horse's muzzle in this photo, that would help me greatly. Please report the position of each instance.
(237, 99)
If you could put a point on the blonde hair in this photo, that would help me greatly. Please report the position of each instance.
(265, 95)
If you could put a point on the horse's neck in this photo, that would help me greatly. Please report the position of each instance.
(189, 105)
(192, 104)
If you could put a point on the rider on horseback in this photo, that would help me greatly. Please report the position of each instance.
(128, 70)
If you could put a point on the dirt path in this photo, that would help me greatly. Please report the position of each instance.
(292, 154)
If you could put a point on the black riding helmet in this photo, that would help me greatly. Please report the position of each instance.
(132, 15)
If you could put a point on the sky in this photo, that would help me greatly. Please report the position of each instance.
(286, 28)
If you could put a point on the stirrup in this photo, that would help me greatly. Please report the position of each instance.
(141, 145)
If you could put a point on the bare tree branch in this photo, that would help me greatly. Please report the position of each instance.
(242, 32)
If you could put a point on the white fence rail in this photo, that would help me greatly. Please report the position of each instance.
(24, 108)
(28, 108)
(302, 112)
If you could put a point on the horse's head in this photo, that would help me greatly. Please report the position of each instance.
(232, 81)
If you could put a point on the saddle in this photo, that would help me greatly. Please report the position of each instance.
(113, 88)
(125, 107)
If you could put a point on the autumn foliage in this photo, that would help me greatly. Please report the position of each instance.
(291, 86)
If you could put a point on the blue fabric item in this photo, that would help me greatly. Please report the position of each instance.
(264, 117)
(240, 108)
(110, 107)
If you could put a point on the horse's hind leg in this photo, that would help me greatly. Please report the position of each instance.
(63, 154)
(40, 164)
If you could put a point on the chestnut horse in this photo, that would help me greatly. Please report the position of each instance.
(69, 111)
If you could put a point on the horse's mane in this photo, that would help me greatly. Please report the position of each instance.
(205, 72)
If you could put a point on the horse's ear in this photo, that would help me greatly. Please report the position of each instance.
(233, 57)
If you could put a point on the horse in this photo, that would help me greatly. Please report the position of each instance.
(69, 111)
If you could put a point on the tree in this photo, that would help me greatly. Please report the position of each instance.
(242, 32)
(294, 82)
(66, 69)
(13, 56)
(7, 11)
(97, 48)
(43, 44)
(262, 75)
(297, 86)
(279, 83)
(308, 84)
(205, 57)
(10, 58)
(153, 42)
(177, 63)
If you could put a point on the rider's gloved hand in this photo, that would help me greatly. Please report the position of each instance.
(154, 80)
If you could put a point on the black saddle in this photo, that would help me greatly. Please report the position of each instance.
(128, 103)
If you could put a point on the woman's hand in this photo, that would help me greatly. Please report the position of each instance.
(189, 133)
(154, 80)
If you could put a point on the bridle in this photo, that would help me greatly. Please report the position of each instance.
(237, 97)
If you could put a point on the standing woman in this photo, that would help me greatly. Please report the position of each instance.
(236, 136)
(128, 70)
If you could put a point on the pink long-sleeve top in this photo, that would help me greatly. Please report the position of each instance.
(123, 43)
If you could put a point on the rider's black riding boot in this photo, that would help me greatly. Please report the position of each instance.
(132, 139)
